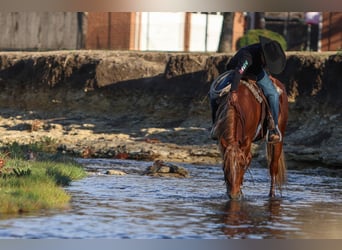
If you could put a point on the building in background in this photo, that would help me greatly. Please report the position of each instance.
(303, 31)
(111, 30)
(156, 31)
(159, 31)
(41, 30)
(331, 38)
(312, 22)
(292, 26)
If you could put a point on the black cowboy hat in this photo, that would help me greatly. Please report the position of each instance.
(274, 55)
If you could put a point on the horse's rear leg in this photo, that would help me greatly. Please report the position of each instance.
(277, 166)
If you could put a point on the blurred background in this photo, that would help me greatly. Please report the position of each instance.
(168, 31)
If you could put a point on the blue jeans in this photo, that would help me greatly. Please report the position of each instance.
(271, 94)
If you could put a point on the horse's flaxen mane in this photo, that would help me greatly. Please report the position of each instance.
(227, 119)
(233, 157)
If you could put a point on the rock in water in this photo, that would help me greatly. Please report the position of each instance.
(165, 169)
(115, 172)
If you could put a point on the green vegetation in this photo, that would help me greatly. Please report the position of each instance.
(32, 179)
(252, 36)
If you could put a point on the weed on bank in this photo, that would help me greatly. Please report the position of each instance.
(32, 180)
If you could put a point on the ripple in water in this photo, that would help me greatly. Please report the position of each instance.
(143, 207)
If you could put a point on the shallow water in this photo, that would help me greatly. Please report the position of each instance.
(143, 207)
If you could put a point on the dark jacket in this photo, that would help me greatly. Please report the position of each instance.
(247, 61)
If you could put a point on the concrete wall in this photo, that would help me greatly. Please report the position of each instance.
(41, 30)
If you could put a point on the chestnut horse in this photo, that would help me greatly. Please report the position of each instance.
(239, 124)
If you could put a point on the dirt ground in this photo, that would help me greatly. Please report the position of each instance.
(152, 105)
(86, 136)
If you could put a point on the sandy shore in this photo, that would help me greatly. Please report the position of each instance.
(85, 136)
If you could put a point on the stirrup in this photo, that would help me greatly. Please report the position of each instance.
(271, 141)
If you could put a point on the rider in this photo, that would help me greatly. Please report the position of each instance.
(253, 60)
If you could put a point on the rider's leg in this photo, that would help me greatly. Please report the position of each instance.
(272, 96)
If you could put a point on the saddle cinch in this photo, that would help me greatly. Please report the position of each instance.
(221, 87)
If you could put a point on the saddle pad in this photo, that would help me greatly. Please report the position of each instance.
(254, 89)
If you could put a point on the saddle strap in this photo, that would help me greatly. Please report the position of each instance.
(260, 97)
(260, 128)
(254, 90)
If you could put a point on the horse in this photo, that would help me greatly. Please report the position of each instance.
(240, 124)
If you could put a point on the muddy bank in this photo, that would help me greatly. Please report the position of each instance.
(154, 105)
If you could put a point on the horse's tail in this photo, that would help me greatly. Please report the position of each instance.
(281, 173)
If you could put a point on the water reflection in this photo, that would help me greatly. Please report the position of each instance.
(281, 219)
(243, 219)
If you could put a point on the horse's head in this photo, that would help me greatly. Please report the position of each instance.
(233, 145)
(234, 166)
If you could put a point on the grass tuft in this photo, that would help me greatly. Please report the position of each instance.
(32, 185)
